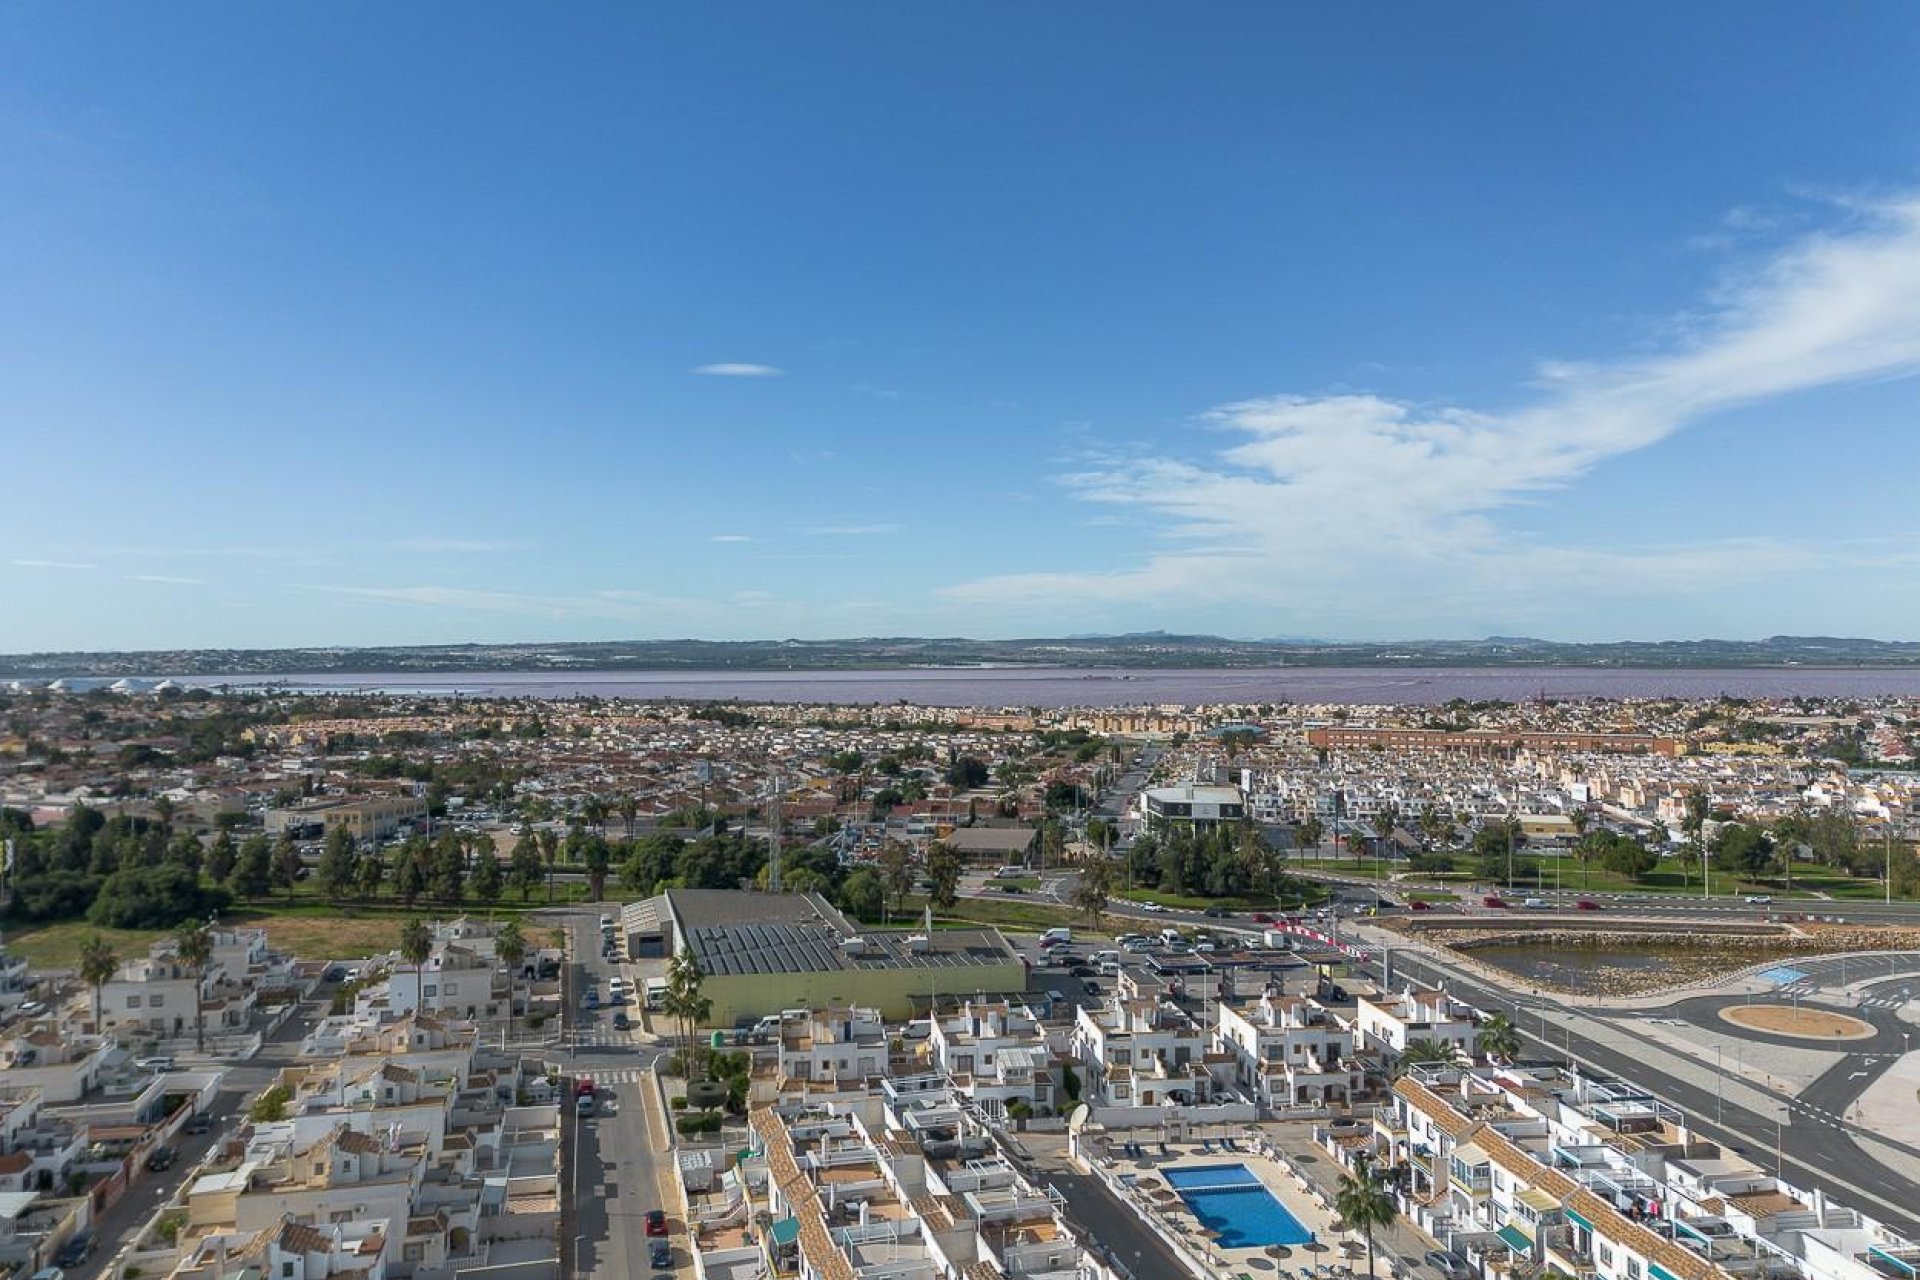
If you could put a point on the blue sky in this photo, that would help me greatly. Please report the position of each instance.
(354, 324)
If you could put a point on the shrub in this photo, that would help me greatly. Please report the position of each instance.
(691, 1126)
(678, 1102)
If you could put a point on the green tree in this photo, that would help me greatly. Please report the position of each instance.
(1364, 1201)
(193, 947)
(409, 873)
(416, 945)
(1499, 1038)
(864, 894)
(252, 875)
(1423, 1053)
(598, 859)
(286, 863)
(98, 963)
(271, 1106)
(334, 874)
(943, 875)
(1311, 832)
(221, 857)
(523, 867)
(967, 773)
(897, 871)
(684, 1001)
(1093, 890)
(487, 879)
(369, 873)
(510, 944)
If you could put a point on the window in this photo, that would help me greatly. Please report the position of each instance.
(1604, 1255)
(154, 1002)
(286, 1269)
(133, 1002)
(1633, 1268)
(432, 991)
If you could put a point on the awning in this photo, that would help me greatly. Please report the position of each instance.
(1538, 1201)
(785, 1231)
(1659, 1272)
(1578, 1220)
(1515, 1239)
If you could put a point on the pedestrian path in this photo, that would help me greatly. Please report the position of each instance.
(598, 1036)
(605, 1076)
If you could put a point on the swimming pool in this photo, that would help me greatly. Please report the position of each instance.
(1229, 1199)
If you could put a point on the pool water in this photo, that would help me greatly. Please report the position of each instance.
(1229, 1199)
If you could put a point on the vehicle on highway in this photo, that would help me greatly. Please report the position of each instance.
(1760, 899)
(660, 1255)
(160, 1159)
(1152, 908)
(656, 1223)
(1419, 904)
(1261, 917)
(1493, 900)
(1536, 904)
(1216, 913)
(1586, 904)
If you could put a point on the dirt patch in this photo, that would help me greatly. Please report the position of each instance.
(1802, 1023)
(331, 937)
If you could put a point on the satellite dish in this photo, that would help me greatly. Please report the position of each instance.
(1078, 1120)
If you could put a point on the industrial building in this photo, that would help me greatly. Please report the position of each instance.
(765, 952)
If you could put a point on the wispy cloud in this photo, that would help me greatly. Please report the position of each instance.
(167, 579)
(878, 393)
(1313, 497)
(454, 546)
(733, 369)
(731, 537)
(51, 564)
(851, 530)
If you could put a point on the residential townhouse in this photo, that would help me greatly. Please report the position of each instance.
(1289, 1051)
(1142, 1053)
(998, 1053)
(1389, 1023)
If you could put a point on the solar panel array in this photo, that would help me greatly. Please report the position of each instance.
(773, 947)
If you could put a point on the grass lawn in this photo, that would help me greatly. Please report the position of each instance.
(57, 945)
(1194, 902)
(1010, 914)
(1022, 884)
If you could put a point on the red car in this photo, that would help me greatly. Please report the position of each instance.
(1586, 904)
(1493, 900)
(585, 1088)
(1419, 904)
(656, 1222)
(1261, 917)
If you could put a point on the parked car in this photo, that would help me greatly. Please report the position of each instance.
(584, 1088)
(49, 1273)
(75, 1251)
(1449, 1265)
(200, 1123)
(656, 1223)
(583, 1105)
(154, 1064)
(160, 1159)
(621, 1021)
(660, 1255)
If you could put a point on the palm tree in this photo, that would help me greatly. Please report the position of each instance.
(1364, 1202)
(98, 964)
(511, 947)
(1423, 1053)
(684, 1003)
(1312, 832)
(416, 944)
(629, 810)
(1499, 1038)
(193, 947)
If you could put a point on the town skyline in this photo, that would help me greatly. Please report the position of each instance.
(816, 326)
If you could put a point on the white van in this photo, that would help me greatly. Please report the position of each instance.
(1169, 936)
(656, 992)
(1056, 937)
(1104, 957)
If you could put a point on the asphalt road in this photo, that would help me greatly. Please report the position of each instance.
(1810, 1150)
(117, 1226)
(614, 1176)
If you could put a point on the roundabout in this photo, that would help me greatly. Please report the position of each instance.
(1798, 1022)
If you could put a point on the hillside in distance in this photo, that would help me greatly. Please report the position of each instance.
(1137, 651)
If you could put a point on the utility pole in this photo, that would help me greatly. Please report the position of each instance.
(773, 837)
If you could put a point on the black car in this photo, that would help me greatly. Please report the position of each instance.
(161, 1159)
(1216, 913)
(199, 1124)
(76, 1251)
(1082, 971)
(660, 1255)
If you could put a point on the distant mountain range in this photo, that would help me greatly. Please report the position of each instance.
(1139, 651)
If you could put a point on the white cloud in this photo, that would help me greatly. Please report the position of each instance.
(1316, 497)
(453, 546)
(167, 579)
(51, 564)
(732, 369)
(731, 537)
(852, 530)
